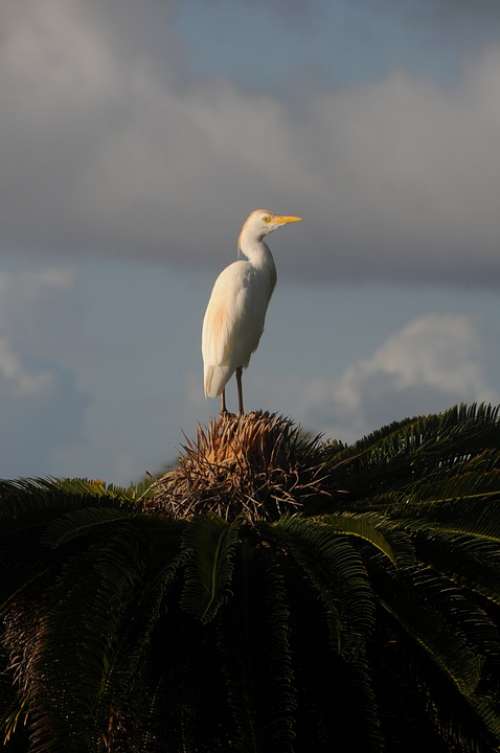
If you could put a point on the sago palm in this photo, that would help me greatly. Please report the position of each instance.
(272, 593)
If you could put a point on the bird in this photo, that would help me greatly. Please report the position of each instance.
(235, 314)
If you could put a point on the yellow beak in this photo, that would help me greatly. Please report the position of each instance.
(284, 219)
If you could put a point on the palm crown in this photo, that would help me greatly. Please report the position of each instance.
(272, 593)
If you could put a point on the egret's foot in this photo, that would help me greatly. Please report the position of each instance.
(226, 414)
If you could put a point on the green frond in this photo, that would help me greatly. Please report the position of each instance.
(337, 572)
(236, 644)
(455, 719)
(83, 522)
(29, 503)
(362, 680)
(371, 613)
(233, 662)
(464, 517)
(209, 572)
(421, 602)
(320, 578)
(415, 604)
(471, 562)
(282, 698)
(368, 527)
(402, 452)
(75, 639)
(130, 656)
(28, 577)
(422, 708)
(383, 438)
(143, 490)
(23, 561)
(87, 487)
(487, 709)
(479, 476)
(460, 610)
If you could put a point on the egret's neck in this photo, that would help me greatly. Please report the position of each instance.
(255, 250)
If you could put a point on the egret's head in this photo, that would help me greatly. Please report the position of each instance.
(261, 222)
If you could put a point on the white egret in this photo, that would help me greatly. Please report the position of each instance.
(234, 319)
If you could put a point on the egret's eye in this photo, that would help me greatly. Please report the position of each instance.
(267, 218)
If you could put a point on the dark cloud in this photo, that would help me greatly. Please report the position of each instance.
(106, 150)
(433, 11)
(452, 14)
(482, 10)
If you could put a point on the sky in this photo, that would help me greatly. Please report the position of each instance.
(134, 140)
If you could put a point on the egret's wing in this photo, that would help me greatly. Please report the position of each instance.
(216, 331)
(223, 314)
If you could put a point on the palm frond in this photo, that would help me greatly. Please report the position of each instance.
(450, 636)
(472, 562)
(336, 571)
(75, 640)
(370, 612)
(29, 503)
(402, 452)
(130, 656)
(421, 618)
(83, 522)
(209, 572)
(478, 519)
(369, 527)
(282, 698)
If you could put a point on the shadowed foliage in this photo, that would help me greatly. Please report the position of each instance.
(273, 593)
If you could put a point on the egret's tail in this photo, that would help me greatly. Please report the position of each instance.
(215, 379)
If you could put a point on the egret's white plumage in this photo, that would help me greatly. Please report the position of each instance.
(234, 319)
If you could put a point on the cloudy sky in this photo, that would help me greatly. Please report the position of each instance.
(134, 139)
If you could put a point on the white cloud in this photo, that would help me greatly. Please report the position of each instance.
(55, 277)
(14, 373)
(22, 291)
(42, 407)
(429, 365)
(24, 287)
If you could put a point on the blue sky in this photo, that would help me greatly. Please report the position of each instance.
(135, 141)
(324, 44)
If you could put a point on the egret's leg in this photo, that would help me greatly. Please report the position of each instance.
(240, 389)
(223, 408)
